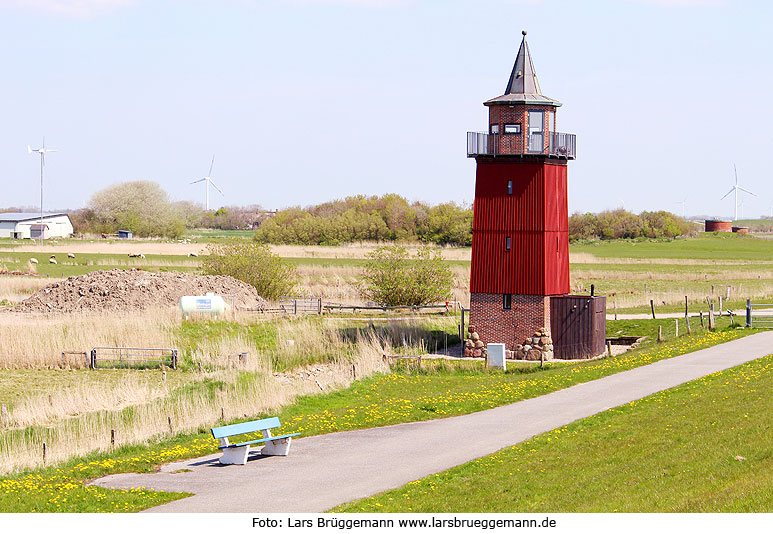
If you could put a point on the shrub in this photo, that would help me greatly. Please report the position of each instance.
(252, 263)
(393, 279)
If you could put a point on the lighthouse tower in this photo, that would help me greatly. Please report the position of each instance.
(520, 237)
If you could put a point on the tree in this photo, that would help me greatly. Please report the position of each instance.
(252, 263)
(141, 206)
(392, 278)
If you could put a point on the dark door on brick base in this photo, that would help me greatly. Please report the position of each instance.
(578, 326)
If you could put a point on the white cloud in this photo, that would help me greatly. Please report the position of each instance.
(73, 8)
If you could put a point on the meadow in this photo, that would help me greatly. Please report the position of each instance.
(406, 393)
(704, 446)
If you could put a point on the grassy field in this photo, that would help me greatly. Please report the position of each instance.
(440, 389)
(705, 446)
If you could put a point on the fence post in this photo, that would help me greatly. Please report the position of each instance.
(174, 359)
(720, 305)
(461, 330)
(652, 306)
(609, 348)
(169, 420)
(660, 333)
(685, 306)
(687, 322)
(711, 317)
(676, 327)
(93, 358)
(748, 313)
(615, 309)
(112, 437)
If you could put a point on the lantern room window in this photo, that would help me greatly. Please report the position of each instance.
(512, 128)
(507, 302)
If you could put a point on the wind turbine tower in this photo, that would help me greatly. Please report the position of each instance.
(735, 190)
(208, 180)
(42, 151)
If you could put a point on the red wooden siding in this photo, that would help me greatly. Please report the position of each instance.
(535, 218)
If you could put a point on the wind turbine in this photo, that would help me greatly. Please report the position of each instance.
(208, 180)
(42, 151)
(735, 190)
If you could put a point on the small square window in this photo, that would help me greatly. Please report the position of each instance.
(507, 302)
(509, 187)
(507, 243)
(494, 128)
(512, 128)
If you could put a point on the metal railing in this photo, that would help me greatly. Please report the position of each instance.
(132, 357)
(755, 319)
(562, 145)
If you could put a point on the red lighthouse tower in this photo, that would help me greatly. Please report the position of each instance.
(520, 243)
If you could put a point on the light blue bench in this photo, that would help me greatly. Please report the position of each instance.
(236, 453)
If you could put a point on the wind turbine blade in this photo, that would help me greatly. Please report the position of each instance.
(29, 149)
(197, 181)
(216, 187)
(735, 171)
(211, 165)
(729, 192)
(745, 190)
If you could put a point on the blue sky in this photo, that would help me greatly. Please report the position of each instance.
(309, 100)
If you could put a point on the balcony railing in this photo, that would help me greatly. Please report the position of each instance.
(557, 144)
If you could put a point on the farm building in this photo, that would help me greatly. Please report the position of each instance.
(29, 225)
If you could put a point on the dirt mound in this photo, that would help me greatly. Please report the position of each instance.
(134, 289)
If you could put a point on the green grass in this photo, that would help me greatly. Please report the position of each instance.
(440, 389)
(85, 263)
(722, 246)
(674, 451)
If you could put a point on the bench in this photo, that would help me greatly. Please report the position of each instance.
(236, 453)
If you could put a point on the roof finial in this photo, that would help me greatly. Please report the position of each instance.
(523, 32)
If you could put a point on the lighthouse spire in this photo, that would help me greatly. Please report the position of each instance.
(523, 79)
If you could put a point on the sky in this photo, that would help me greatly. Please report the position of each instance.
(305, 101)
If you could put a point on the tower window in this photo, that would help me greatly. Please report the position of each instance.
(512, 128)
(494, 128)
(507, 302)
(507, 243)
(509, 187)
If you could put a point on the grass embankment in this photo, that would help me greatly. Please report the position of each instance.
(705, 446)
(441, 389)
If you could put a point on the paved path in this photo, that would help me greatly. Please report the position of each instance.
(324, 471)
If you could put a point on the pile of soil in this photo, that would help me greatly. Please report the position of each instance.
(135, 289)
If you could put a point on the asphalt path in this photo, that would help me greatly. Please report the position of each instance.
(324, 471)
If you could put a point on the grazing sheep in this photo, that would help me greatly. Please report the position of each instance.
(52, 260)
(142, 256)
(52, 256)
(70, 255)
(33, 260)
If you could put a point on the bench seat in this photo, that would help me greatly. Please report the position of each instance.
(236, 453)
(253, 442)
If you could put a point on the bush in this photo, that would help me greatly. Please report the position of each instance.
(391, 278)
(253, 264)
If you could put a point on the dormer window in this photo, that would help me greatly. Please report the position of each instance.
(512, 128)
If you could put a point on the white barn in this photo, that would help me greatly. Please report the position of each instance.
(28, 225)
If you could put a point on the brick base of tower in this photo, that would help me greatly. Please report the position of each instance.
(494, 324)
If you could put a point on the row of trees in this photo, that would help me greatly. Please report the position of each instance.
(361, 218)
(145, 208)
(620, 224)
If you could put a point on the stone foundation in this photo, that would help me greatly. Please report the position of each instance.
(529, 315)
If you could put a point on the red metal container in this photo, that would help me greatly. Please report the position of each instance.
(718, 226)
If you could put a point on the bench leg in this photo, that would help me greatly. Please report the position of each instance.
(279, 447)
(235, 455)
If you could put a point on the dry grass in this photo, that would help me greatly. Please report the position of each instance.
(75, 426)
(360, 251)
(17, 288)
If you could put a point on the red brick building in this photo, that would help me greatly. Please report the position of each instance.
(520, 243)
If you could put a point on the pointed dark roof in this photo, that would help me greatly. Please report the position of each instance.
(523, 86)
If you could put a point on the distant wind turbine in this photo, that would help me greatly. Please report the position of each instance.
(735, 190)
(208, 180)
(42, 151)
